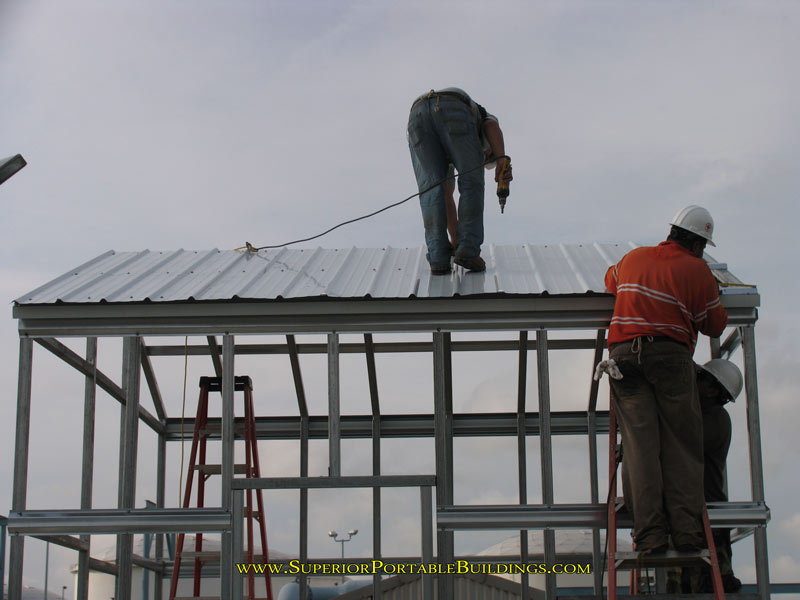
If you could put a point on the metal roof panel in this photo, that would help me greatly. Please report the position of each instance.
(219, 275)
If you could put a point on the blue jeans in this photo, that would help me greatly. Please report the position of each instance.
(443, 130)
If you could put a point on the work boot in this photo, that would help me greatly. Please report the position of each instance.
(731, 584)
(473, 263)
(687, 547)
(649, 551)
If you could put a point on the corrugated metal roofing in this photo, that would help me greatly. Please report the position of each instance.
(218, 275)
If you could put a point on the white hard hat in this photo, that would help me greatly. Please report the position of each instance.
(727, 374)
(697, 220)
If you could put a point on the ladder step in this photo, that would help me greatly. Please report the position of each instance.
(670, 558)
(214, 384)
(217, 469)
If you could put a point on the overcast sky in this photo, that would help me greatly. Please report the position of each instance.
(199, 124)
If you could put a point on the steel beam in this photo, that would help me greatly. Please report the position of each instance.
(160, 500)
(349, 481)
(21, 446)
(303, 506)
(426, 508)
(302, 407)
(3, 524)
(237, 541)
(448, 408)
(756, 463)
(580, 516)
(334, 420)
(147, 564)
(731, 344)
(297, 375)
(103, 381)
(715, 347)
(152, 385)
(87, 467)
(227, 451)
(444, 476)
(65, 541)
(377, 347)
(321, 317)
(118, 521)
(522, 462)
(546, 447)
(103, 566)
(132, 358)
(372, 378)
(594, 489)
(213, 350)
(407, 426)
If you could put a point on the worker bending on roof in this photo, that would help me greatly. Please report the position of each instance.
(665, 295)
(447, 127)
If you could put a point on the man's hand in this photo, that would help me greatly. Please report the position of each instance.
(498, 171)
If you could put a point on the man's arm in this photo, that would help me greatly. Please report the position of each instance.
(711, 317)
(611, 279)
(452, 212)
(494, 135)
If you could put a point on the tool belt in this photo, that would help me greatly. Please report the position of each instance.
(462, 97)
(647, 339)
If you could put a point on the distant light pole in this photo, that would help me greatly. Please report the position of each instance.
(63, 587)
(350, 535)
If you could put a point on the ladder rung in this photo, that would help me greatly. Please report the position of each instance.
(214, 384)
(670, 558)
(217, 469)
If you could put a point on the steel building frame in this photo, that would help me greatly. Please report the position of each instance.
(531, 318)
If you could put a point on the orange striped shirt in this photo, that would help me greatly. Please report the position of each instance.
(664, 290)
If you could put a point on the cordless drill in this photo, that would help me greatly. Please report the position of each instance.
(502, 184)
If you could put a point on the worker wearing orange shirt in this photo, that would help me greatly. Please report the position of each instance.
(665, 295)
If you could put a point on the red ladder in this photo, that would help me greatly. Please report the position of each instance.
(633, 560)
(251, 468)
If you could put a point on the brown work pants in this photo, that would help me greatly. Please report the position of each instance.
(659, 417)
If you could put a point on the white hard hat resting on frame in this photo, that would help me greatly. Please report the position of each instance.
(697, 220)
(727, 374)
